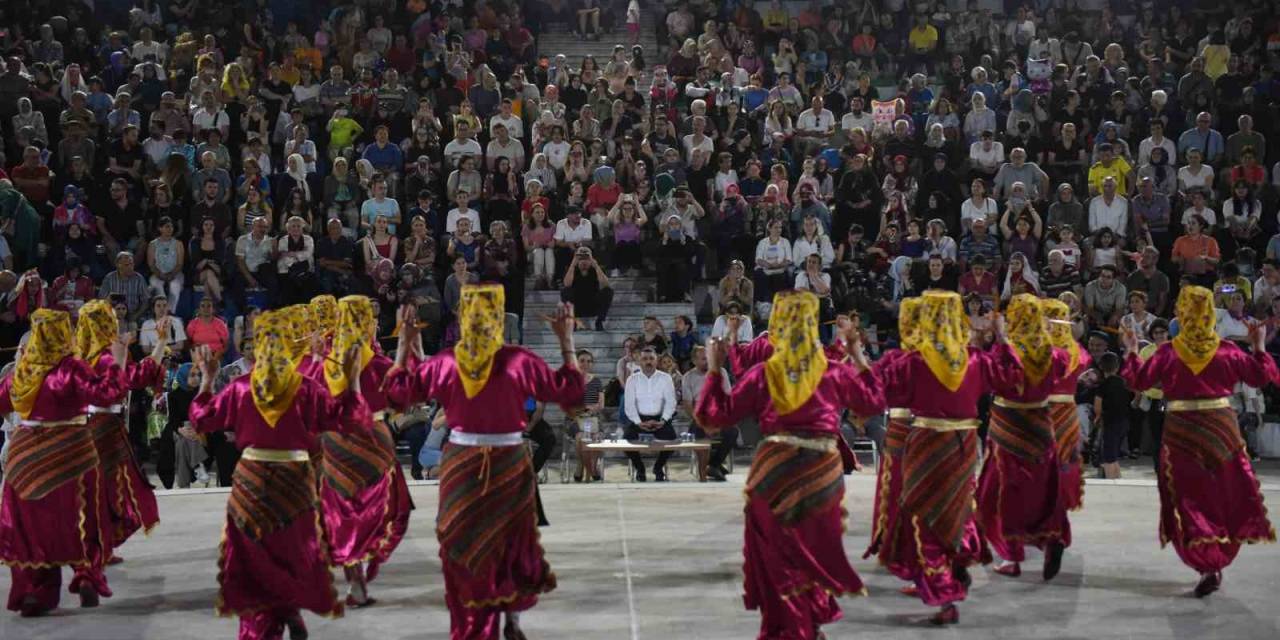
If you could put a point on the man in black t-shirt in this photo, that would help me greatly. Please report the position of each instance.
(120, 223)
(587, 287)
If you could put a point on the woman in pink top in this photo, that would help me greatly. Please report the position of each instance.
(1019, 500)
(208, 330)
(493, 566)
(273, 561)
(1210, 502)
(795, 564)
(51, 514)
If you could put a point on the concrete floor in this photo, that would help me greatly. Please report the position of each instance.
(663, 561)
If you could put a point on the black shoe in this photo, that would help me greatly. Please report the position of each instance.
(599, 325)
(577, 477)
(962, 576)
(416, 473)
(660, 475)
(1209, 582)
(715, 473)
(640, 475)
(1053, 560)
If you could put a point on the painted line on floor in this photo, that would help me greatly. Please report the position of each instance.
(626, 567)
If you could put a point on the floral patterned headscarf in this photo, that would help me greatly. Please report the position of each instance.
(797, 364)
(324, 313)
(95, 330)
(944, 337)
(1197, 341)
(49, 343)
(481, 313)
(275, 379)
(1028, 336)
(909, 324)
(1058, 315)
(356, 324)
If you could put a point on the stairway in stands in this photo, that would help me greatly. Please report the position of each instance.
(560, 39)
(631, 303)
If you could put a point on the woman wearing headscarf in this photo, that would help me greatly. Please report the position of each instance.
(363, 494)
(273, 560)
(1062, 402)
(1020, 277)
(130, 501)
(1210, 502)
(941, 383)
(493, 567)
(795, 565)
(885, 512)
(51, 508)
(1019, 500)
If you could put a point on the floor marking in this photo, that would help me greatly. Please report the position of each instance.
(626, 566)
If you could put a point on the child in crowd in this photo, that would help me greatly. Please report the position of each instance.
(1111, 406)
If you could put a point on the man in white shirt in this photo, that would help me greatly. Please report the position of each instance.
(462, 210)
(209, 115)
(1109, 209)
(505, 118)
(690, 388)
(650, 399)
(504, 146)
(698, 140)
(815, 126)
(461, 145)
(857, 117)
(1156, 139)
(254, 253)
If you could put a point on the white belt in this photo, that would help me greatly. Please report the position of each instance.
(465, 439)
(69, 422)
(115, 408)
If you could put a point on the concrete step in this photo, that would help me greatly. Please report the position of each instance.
(588, 339)
(620, 297)
(623, 315)
(618, 284)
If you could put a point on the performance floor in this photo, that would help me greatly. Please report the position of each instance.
(663, 561)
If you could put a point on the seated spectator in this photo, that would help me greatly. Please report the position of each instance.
(1105, 298)
(175, 338)
(207, 251)
(1103, 251)
(1149, 279)
(166, 258)
(127, 282)
(1139, 318)
(1196, 254)
(1109, 209)
(979, 241)
(774, 263)
(1058, 276)
(683, 338)
(295, 262)
(587, 287)
(1242, 214)
(585, 422)
(652, 335)
(255, 253)
(1020, 278)
(650, 405)
(735, 288)
(380, 243)
(72, 289)
(208, 329)
(724, 441)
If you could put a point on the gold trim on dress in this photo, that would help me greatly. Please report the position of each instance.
(899, 414)
(816, 444)
(1065, 398)
(1011, 404)
(69, 422)
(275, 455)
(1203, 404)
(945, 424)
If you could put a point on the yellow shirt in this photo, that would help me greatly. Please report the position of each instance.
(1215, 59)
(775, 18)
(1119, 170)
(923, 39)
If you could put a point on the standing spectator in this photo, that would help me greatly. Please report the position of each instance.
(1150, 280)
(538, 236)
(587, 287)
(1196, 253)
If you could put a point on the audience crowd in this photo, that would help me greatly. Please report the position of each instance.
(208, 160)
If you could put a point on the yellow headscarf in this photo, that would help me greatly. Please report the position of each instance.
(275, 378)
(909, 324)
(1028, 336)
(798, 362)
(301, 325)
(1058, 315)
(324, 314)
(1196, 342)
(49, 343)
(96, 330)
(356, 323)
(944, 337)
(481, 313)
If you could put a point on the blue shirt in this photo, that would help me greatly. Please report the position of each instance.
(371, 209)
(1209, 143)
(386, 159)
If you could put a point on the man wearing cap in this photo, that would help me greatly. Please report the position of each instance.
(587, 286)
(979, 242)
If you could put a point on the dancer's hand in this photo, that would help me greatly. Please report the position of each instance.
(409, 336)
(563, 323)
(733, 321)
(1257, 335)
(716, 353)
(207, 364)
(853, 348)
(351, 362)
(120, 350)
(1129, 339)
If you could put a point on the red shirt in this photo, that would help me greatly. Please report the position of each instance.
(599, 197)
(211, 333)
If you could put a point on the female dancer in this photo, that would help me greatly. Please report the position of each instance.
(129, 498)
(1210, 503)
(885, 519)
(492, 565)
(1019, 500)
(51, 511)
(1062, 403)
(363, 494)
(273, 560)
(795, 564)
(941, 382)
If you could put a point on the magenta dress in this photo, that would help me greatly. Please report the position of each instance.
(1210, 502)
(1019, 498)
(794, 561)
(937, 538)
(745, 356)
(885, 510)
(363, 494)
(487, 523)
(272, 561)
(1066, 430)
(51, 510)
(129, 497)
